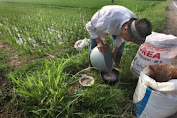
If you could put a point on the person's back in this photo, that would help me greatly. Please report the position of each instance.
(116, 8)
(110, 18)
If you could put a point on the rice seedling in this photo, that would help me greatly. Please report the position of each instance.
(44, 30)
(86, 3)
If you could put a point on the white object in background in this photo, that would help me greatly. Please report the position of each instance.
(81, 44)
(154, 99)
(158, 49)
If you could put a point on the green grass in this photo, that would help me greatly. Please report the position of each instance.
(3, 62)
(157, 16)
(51, 90)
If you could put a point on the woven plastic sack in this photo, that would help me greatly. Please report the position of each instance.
(81, 44)
(155, 95)
(158, 49)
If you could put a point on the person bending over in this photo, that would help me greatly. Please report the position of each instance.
(119, 22)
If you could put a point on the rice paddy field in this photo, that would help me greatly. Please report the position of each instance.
(49, 87)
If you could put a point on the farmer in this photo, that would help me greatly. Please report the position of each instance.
(121, 24)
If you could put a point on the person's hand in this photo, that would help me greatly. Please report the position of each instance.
(100, 45)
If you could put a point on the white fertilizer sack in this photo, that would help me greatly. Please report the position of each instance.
(158, 49)
(154, 99)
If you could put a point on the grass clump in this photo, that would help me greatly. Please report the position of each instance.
(42, 90)
(54, 91)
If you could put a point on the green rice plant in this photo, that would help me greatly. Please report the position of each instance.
(86, 3)
(42, 30)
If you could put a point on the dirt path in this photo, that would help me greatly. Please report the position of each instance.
(172, 25)
(172, 18)
(15, 60)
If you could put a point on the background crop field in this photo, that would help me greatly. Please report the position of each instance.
(85, 3)
(38, 30)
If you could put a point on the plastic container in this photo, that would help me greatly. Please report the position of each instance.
(102, 62)
(81, 44)
(110, 78)
(86, 80)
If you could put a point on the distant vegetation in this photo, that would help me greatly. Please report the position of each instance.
(83, 3)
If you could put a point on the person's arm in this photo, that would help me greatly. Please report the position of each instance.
(91, 30)
(100, 45)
